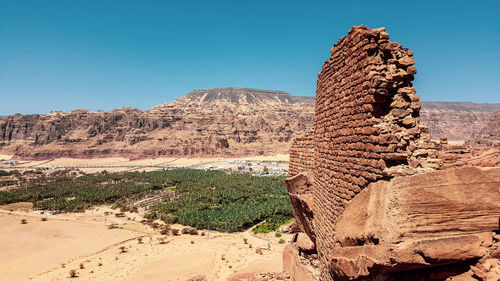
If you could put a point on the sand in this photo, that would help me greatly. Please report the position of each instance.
(120, 164)
(37, 250)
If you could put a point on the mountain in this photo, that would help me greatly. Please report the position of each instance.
(457, 121)
(489, 135)
(203, 123)
(212, 122)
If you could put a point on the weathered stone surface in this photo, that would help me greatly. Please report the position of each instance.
(198, 278)
(302, 201)
(387, 227)
(298, 269)
(457, 121)
(489, 135)
(363, 183)
(224, 122)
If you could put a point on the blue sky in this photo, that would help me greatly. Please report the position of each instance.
(63, 55)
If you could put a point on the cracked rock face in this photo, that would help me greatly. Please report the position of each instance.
(363, 182)
(213, 122)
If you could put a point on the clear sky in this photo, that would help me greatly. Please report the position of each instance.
(68, 54)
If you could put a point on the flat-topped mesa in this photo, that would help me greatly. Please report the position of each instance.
(244, 96)
(366, 130)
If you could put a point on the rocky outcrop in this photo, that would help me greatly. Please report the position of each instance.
(213, 122)
(387, 229)
(456, 121)
(489, 135)
(363, 183)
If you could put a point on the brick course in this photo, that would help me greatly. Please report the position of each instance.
(366, 127)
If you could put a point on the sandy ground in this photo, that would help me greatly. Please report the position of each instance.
(5, 157)
(37, 250)
(119, 164)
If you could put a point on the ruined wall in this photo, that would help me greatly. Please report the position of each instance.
(301, 154)
(366, 127)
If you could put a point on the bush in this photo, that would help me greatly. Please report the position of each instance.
(277, 234)
(175, 231)
(4, 173)
(282, 241)
(272, 224)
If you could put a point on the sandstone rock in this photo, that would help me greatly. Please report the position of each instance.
(299, 191)
(237, 122)
(198, 278)
(350, 185)
(304, 243)
(224, 122)
(457, 121)
(298, 270)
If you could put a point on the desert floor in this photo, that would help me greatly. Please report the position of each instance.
(48, 250)
(119, 164)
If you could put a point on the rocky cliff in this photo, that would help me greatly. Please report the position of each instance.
(223, 122)
(457, 121)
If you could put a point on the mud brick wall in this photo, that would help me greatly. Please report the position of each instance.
(366, 127)
(301, 154)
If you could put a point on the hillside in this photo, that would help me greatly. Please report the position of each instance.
(223, 122)
(206, 123)
(457, 121)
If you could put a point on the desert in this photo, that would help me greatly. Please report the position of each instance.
(209, 141)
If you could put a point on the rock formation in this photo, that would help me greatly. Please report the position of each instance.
(489, 135)
(214, 122)
(365, 183)
(456, 121)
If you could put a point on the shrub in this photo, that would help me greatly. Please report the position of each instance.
(175, 231)
(282, 241)
(4, 173)
(193, 231)
(24, 221)
(272, 224)
(73, 273)
(277, 234)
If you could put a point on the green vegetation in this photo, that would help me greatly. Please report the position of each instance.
(204, 199)
(4, 173)
(225, 202)
(272, 224)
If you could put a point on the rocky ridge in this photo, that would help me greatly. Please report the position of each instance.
(213, 122)
(456, 121)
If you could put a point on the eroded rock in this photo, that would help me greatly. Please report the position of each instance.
(367, 185)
